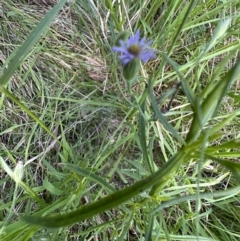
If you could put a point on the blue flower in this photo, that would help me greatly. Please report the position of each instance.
(135, 48)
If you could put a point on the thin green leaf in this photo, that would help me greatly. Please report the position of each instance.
(126, 228)
(31, 114)
(212, 102)
(228, 145)
(90, 175)
(160, 116)
(29, 42)
(142, 135)
(148, 235)
(224, 122)
(188, 12)
(186, 88)
(51, 188)
(111, 200)
(234, 167)
(21, 183)
(207, 195)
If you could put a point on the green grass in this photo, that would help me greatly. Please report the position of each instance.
(101, 160)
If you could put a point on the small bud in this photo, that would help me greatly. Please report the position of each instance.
(131, 69)
(222, 28)
(18, 173)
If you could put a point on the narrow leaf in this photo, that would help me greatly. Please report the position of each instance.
(90, 175)
(29, 42)
(21, 183)
(109, 201)
(206, 195)
(212, 102)
(142, 134)
(234, 167)
(31, 114)
(185, 86)
(160, 116)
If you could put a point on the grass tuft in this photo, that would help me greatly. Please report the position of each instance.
(86, 155)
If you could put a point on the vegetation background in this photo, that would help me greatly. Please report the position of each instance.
(69, 125)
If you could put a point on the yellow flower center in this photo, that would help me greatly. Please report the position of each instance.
(134, 50)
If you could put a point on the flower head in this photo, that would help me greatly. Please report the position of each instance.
(134, 48)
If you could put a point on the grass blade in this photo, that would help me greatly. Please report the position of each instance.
(109, 201)
(211, 103)
(160, 116)
(142, 135)
(21, 183)
(89, 175)
(28, 44)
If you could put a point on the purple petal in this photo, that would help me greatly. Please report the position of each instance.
(122, 43)
(147, 54)
(137, 35)
(134, 39)
(144, 43)
(126, 60)
(117, 49)
(144, 52)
